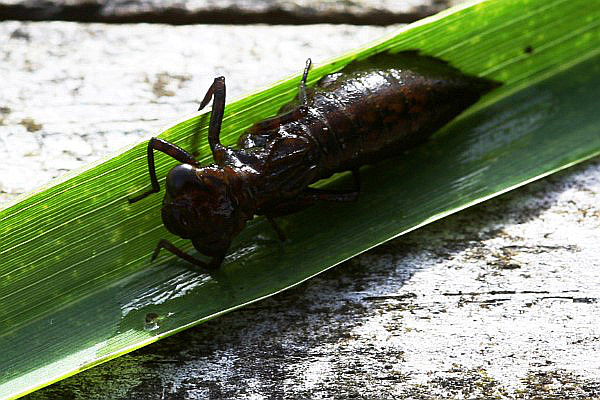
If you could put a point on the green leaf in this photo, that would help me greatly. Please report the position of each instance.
(76, 284)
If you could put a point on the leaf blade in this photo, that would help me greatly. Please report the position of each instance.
(112, 285)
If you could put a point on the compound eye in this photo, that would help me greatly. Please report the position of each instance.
(183, 221)
(180, 177)
(178, 219)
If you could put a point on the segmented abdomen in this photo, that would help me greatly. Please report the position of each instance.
(364, 116)
(368, 111)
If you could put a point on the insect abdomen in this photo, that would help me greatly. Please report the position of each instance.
(365, 115)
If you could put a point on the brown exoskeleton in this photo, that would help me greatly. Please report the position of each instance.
(368, 111)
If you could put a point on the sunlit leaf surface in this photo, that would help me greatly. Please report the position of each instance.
(76, 284)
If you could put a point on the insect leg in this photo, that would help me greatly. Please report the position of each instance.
(165, 244)
(168, 148)
(328, 195)
(289, 116)
(333, 195)
(275, 122)
(306, 199)
(276, 227)
(356, 176)
(302, 94)
(216, 91)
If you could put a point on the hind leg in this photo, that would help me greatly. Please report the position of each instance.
(302, 88)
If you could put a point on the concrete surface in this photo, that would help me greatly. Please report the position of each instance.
(73, 93)
(363, 12)
(498, 301)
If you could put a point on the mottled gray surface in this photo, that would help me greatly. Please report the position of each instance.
(372, 12)
(500, 300)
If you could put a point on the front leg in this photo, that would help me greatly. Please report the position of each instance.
(216, 91)
(168, 148)
(165, 244)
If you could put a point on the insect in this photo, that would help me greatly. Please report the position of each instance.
(369, 110)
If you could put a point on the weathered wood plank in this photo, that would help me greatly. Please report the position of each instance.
(501, 300)
(287, 12)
